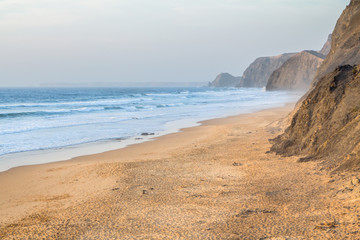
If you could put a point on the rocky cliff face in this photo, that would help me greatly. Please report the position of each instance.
(345, 45)
(258, 73)
(327, 124)
(296, 73)
(225, 80)
(327, 46)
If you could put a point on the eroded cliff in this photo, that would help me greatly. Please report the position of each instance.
(327, 46)
(345, 44)
(327, 124)
(296, 73)
(258, 73)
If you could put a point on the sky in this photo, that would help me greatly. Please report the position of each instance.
(45, 42)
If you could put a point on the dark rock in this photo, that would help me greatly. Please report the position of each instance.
(147, 134)
(237, 164)
(247, 212)
(327, 225)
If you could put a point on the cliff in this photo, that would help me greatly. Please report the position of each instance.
(327, 46)
(296, 73)
(258, 73)
(225, 80)
(327, 124)
(345, 44)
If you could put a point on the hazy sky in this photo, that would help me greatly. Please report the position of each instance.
(51, 41)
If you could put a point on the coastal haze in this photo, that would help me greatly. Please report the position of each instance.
(92, 43)
(242, 120)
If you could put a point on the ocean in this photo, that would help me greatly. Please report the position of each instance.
(39, 120)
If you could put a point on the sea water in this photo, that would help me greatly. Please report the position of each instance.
(41, 120)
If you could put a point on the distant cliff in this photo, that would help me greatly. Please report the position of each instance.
(258, 73)
(297, 72)
(326, 124)
(225, 80)
(327, 46)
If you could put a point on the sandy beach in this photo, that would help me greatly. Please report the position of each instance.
(215, 181)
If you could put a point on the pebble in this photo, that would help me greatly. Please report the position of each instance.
(355, 181)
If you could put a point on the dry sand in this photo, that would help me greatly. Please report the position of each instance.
(214, 181)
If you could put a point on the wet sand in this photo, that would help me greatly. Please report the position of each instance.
(215, 181)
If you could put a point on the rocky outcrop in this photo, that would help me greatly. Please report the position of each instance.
(345, 44)
(327, 124)
(327, 46)
(258, 73)
(296, 73)
(225, 80)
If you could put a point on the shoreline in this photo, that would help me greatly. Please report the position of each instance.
(25, 172)
(211, 181)
(83, 123)
(67, 153)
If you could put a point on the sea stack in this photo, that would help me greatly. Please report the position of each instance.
(225, 80)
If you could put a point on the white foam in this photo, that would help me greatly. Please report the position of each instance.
(29, 136)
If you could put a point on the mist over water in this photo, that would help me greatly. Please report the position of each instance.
(49, 118)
